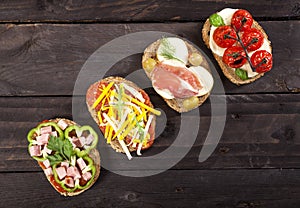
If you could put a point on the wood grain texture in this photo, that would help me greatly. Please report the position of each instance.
(136, 10)
(45, 59)
(261, 131)
(186, 188)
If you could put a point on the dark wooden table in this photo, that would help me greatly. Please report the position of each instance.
(43, 46)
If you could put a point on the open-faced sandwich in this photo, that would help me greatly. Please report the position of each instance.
(239, 44)
(67, 154)
(179, 73)
(123, 113)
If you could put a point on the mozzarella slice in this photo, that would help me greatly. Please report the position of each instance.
(179, 47)
(226, 14)
(248, 68)
(205, 78)
(165, 93)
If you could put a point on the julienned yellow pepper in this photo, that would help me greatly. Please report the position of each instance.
(152, 110)
(104, 92)
(110, 134)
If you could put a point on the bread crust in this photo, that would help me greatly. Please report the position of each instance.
(175, 103)
(93, 154)
(115, 144)
(228, 71)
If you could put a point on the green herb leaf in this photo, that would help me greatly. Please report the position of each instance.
(63, 149)
(55, 159)
(216, 20)
(120, 103)
(55, 144)
(241, 73)
(68, 149)
(167, 50)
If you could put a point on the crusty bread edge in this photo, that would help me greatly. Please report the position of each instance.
(175, 103)
(227, 71)
(93, 154)
(115, 144)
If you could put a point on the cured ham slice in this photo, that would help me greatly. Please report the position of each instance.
(178, 81)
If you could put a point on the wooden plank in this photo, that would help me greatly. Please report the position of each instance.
(185, 188)
(136, 10)
(260, 131)
(50, 56)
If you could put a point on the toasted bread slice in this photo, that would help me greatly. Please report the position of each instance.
(228, 71)
(93, 154)
(175, 103)
(91, 98)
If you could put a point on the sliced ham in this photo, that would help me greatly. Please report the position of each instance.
(69, 181)
(87, 176)
(46, 130)
(61, 172)
(178, 81)
(81, 163)
(46, 163)
(54, 133)
(35, 150)
(78, 142)
(48, 171)
(62, 124)
(64, 164)
(48, 151)
(42, 139)
(89, 139)
(73, 172)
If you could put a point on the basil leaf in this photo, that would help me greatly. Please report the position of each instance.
(241, 73)
(216, 20)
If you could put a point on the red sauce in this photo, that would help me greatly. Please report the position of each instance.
(56, 185)
(42, 165)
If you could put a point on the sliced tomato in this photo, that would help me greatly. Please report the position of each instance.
(241, 20)
(225, 36)
(252, 39)
(262, 61)
(234, 57)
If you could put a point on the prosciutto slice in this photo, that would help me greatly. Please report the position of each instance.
(178, 81)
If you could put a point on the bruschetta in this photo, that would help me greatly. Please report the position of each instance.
(124, 114)
(239, 44)
(67, 154)
(179, 73)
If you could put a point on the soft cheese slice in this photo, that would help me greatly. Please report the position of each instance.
(178, 48)
(226, 14)
(205, 78)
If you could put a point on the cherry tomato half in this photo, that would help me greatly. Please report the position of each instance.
(252, 39)
(241, 20)
(224, 36)
(234, 57)
(262, 61)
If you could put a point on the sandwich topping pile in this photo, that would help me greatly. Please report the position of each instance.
(66, 153)
(239, 44)
(124, 114)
